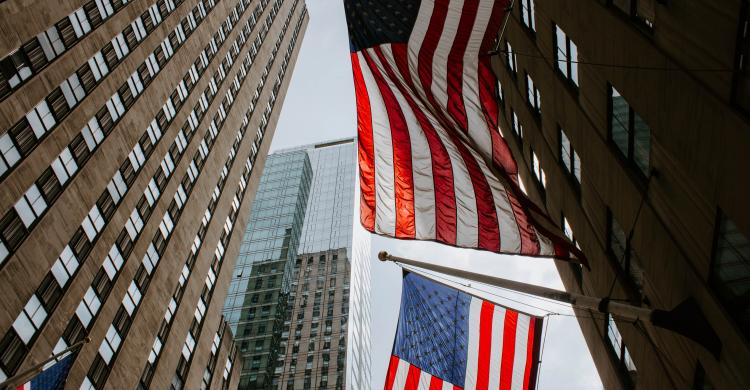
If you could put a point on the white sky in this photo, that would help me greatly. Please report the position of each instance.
(319, 106)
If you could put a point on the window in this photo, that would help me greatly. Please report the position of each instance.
(619, 247)
(569, 158)
(620, 350)
(16, 68)
(510, 58)
(532, 96)
(51, 43)
(30, 320)
(566, 56)
(72, 90)
(730, 270)
(40, 119)
(93, 223)
(30, 206)
(98, 67)
(538, 171)
(88, 307)
(629, 132)
(64, 166)
(80, 22)
(9, 155)
(65, 266)
(516, 125)
(527, 14)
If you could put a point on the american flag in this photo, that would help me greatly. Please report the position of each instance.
(448, 339)
(52, 378)
(433, 165)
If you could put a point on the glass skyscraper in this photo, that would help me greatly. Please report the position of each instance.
(259, 289)
(290, 297)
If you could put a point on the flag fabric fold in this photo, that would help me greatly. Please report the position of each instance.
(433, 165)
(448, 339)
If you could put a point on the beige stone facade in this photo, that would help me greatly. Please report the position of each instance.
(615, 106)
(133, 135)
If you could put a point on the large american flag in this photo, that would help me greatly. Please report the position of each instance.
(433, 165)
(447, 339)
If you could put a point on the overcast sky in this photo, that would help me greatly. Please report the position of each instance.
(319, 106)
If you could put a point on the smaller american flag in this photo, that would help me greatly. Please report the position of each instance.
(448, 339)
(52, 378)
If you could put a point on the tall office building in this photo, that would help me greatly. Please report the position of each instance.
(256, 302)
(310, 348)
(133, 136)
(631, 125)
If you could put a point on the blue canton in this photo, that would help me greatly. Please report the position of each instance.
(432, 331)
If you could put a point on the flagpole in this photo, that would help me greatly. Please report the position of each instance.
(603, 305)
(17, 379)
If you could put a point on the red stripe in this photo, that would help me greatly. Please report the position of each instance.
(496, 20)
(412, 379)
(366, 150)
(485, 345)
(529, 353)
(402, 169)
(442, 170)
(509, 349)
(455, 66)
(436, 383)
(390, 377)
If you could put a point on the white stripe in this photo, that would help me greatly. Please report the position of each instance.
(385, 204)
(424, 185)
(440, 59)
(478, 130)
(424, 380)
(448, 386)
(415, 41)
(546, 248)
(402, 371)
(519, 360)
(496, 354)
(475, 309)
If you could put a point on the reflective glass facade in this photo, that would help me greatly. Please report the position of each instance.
(289, 301)
(328, 220)
(258, 293)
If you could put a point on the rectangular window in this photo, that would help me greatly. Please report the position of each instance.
(40, 119)
(619, 247)
(16, 68)
(98, 67)
(72, 90)
(510, 58)
(642, 11)
(80, 22)
(532, 95)
(528, 14)
(30, 320)
(741, 85)
(30, 206)
(64, 166)
(620, 350)
(538, 171)
(566, 56)
(730, 271)
(93, 223)
(629, 132)
(51, 43)
(9, 155)
(569, 158)
(120, 46)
